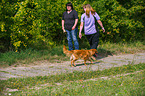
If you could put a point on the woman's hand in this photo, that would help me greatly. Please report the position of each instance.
(103, 29)
(63, 29)
(73, 27)
(80, 35)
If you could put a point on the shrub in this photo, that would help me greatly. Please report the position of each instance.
(37, 23)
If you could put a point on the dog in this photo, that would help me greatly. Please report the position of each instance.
(79, 54)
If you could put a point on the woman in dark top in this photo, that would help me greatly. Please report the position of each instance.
(69, 25)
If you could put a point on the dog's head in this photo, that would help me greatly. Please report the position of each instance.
(93, 51)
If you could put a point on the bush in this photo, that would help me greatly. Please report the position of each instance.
(37, 23)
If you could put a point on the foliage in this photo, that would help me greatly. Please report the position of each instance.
(121, 24)
(37, 23)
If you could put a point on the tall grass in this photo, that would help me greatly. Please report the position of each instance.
(117, 48)
(30, 55)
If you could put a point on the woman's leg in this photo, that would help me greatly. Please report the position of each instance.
(75, 40)
(95, 41)
(89, 38)
(69, 39)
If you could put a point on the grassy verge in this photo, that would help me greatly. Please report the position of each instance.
(132, 85)
(80, 83)
(30, 55)
(121, 48)
(56, 53)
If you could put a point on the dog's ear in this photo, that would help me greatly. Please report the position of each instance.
(96, 51)
(64, 46)
(93, 51)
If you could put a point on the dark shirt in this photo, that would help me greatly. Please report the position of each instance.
(69, 19)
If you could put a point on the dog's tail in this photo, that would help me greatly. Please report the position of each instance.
(66, 51)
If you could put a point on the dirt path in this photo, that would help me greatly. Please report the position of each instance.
(44, 68)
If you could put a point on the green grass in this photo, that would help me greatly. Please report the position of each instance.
(29, 55)
(77, 83)
(132, 85)
(80, 83)
(117, 48)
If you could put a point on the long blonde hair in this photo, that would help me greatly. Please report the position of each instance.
(88, 9)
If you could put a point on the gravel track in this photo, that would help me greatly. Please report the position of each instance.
(45, 68)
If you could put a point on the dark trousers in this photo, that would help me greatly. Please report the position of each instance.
(93, 40)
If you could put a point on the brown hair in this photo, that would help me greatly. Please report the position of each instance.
(88, 9)
(69, 4)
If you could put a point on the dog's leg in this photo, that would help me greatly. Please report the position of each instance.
(72, 63)
(90, 60)
(85, 62)
(93, 57)
(71, 58)
(85, 59)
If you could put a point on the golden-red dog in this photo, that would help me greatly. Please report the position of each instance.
(76, 54)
